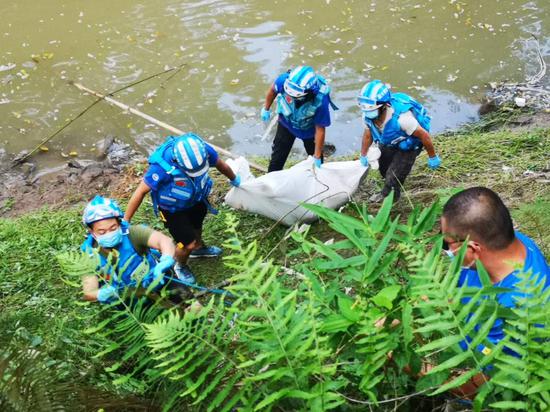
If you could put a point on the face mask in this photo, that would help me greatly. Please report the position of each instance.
(110, 239)
(450, 254)
(371, 114)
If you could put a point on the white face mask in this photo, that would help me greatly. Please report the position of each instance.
(372, 114)
(451, 255)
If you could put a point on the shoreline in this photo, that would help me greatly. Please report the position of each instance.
(116, 169)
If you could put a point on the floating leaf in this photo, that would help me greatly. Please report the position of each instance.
(73, 153)
(44, 149)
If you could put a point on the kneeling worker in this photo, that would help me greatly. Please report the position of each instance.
(129, 245)
(400, 125)
(179, 184)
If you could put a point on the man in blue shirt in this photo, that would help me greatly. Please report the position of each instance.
(303, 100)
(179, 184)
(478, 215)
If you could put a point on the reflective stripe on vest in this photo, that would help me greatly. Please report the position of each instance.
(392, 134)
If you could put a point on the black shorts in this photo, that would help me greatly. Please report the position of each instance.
(185, 224)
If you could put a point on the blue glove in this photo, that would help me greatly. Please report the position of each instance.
(165, 263)
(317, 162)
(236, 182)
(364, 161)
(434, 162)
(265, 114)
(106, 293)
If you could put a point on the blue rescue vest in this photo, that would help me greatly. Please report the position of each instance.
(302, 118)
(181, 192)
(127, 260)
(393, 135)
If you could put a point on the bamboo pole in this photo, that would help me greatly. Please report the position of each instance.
(155, 121)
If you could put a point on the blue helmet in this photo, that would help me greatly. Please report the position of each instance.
(190, 154)
(301, 81)
(373, 95)
(100, 208)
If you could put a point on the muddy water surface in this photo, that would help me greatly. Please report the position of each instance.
(442, 52)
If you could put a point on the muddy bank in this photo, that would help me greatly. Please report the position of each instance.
(25, 189)
(113, 173)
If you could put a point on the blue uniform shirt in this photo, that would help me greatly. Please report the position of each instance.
(534, 263)
(155, 176)
(322, 115)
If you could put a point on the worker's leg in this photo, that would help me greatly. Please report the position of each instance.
(309, 145)
(182, 226)
(282, 144)
(398, 170)
(386, 157)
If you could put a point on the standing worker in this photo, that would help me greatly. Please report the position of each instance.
(400, 125)
(179, 184)
(303, 99)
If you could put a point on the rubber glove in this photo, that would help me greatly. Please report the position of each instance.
(364, 161)
(317, 162)
(434, 162)
(236, 182)
(265, 114)
(165, 263)
(106, 293)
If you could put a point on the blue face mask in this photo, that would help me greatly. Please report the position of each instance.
(371, 114)
(450, 254)
(110, 239)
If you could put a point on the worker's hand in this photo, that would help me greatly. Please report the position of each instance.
(165, 263)
(106, 293)
(434, 162)
(236, 182)
(364, 161)
(265, 114)
(317, 162)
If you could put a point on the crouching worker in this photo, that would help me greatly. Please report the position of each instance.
(179, 184)
(303, 100)
(400, 126)
(122, 251)
(479, 217)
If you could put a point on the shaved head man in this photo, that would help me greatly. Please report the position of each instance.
(479, 217)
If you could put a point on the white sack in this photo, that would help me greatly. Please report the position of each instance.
(277, 195)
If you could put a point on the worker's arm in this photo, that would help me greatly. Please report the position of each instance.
(366, 142)
(426, 140)
(319, 141)
(224, 169)
(136, 200)
(162, 243)
(269, 97)
(90, 287)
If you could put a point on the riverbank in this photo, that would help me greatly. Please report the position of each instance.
(41, 309)
(116, 169)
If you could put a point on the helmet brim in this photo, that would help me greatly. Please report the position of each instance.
(293, 90)
(199, 172)
(369, 107)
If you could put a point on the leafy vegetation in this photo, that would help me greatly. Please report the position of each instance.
(325, 317)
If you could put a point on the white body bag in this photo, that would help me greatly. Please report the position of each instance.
(278, 195)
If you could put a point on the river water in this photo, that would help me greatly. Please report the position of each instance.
(441, 52)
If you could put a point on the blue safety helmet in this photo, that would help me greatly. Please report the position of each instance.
(301, 81)
(100, 208)
(373, 95)
(190, 154)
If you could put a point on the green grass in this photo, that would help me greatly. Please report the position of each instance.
(37, 307)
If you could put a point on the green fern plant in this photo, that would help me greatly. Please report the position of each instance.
(29, 381)
(523, 382)
(443, 320)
